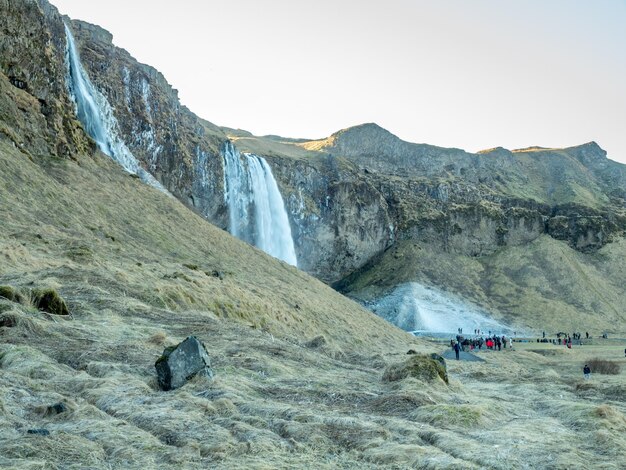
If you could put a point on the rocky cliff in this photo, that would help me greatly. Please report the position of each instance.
(32, 59)
(173, 144)
(370, 189)
(178, 148)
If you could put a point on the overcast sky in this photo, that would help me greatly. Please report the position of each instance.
(455, 73)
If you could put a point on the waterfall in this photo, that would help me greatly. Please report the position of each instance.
(257, 212)
(415, 307)
(96, 115)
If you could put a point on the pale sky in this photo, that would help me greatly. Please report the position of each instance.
(454, 73)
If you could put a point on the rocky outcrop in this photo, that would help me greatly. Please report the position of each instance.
(369, 184)
(180, 363)
(339, 219)
(181, 150)
(32, 78)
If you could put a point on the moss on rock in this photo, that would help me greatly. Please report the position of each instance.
(420, 366)
(10, 293)
(49, 301)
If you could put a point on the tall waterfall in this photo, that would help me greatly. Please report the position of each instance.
(96, 115)
(256, 209)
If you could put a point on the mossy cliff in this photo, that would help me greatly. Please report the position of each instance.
(171, 142)
(32, 78)
(177, 147)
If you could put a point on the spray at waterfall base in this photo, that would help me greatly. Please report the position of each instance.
(421, 309)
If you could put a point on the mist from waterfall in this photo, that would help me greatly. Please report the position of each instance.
(415, 307)
(257, 212)
(96, 115)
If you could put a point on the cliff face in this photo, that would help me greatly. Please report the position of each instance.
(363, 189)
(33, 78)
(178, 148)
(339, 219)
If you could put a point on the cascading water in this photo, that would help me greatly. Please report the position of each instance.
(257, 212)
(415, 307)
(96, 115)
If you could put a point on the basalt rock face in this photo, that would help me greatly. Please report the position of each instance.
(363, 189)
(32, 77)
(181, 150)
(339, 219)
(474, 203)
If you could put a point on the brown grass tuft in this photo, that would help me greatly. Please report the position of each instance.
(158, 338)
(400, 403)
(10, 293)
(49, 300)
(602, 366)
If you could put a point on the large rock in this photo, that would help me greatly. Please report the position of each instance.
(180, 363)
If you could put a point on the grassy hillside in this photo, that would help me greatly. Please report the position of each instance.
(541, 285)
(302, 374)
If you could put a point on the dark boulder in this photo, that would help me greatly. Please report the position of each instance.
(180, 363)
(56, 409)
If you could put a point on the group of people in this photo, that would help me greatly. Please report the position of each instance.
(492, 342)
(564, 338)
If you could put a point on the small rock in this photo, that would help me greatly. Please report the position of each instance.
(180, 363)
(411, 351)
(39, 432)
(57, 408)
(8, 322)
(316, 342)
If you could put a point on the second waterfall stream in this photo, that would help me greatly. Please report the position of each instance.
(257, 212)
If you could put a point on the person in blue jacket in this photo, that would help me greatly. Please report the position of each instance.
(457, 349)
